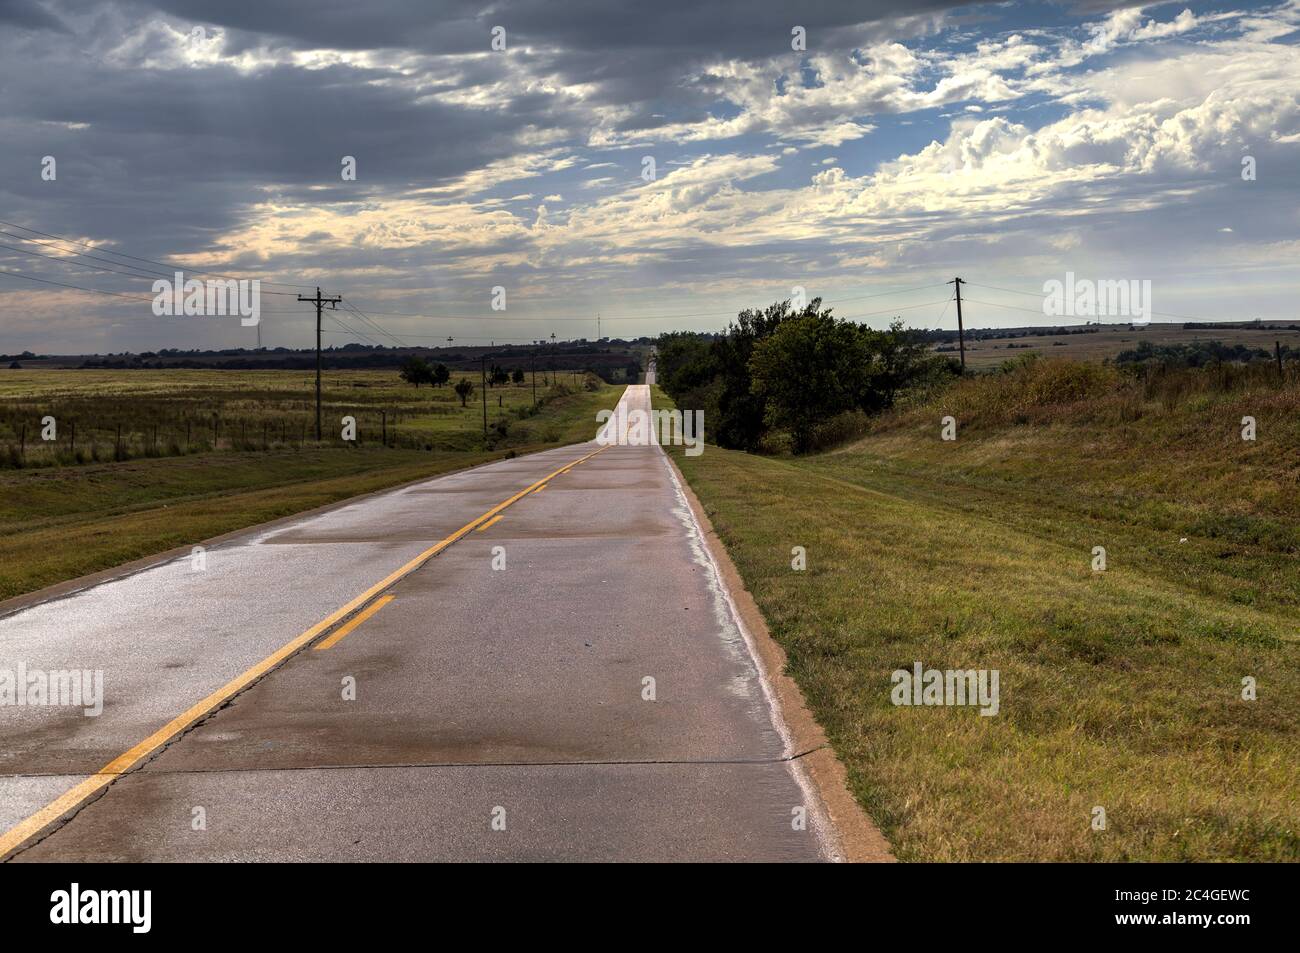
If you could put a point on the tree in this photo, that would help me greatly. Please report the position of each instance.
(899, 359)
(815, 366)
(440, 375)
(742, 411)
(498, 375)
(416, 370)
(811, 368)
(518, 375)
(464, 388)
(820, 367)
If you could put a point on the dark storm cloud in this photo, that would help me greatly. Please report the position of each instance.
(165, 149)
(636, 54)
(28, 15)
(734, 28)
(163, 159)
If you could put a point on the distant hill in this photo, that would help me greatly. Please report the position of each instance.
(614, 360)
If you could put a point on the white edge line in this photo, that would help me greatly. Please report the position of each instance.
(822, 828)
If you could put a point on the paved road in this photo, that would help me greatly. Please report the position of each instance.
(499, 713)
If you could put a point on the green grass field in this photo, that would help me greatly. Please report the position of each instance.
(114, 415)
(64, 519)
(1120, 689)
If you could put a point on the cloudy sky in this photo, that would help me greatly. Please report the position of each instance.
(907, 143)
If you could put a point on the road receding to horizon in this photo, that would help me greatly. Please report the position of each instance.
(425, 674)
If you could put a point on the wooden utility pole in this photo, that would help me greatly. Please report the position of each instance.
(534, 378)
(320, 302)
(482, 364)
(961, 333)
(1277, 350)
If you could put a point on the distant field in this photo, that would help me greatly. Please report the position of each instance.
(62, 520)
(113, 415)
(1108, 343)
(1120, 689)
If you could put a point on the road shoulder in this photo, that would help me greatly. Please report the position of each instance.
(857, 838)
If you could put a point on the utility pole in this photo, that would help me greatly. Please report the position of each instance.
(961, 334)
(553, 380)
(597, 327)
(482, 363)
(534, 362)
(320, 302)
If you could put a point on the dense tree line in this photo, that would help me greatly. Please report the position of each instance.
(781, 369)
(1198, 354)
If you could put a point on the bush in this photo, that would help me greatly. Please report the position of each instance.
(840, 429)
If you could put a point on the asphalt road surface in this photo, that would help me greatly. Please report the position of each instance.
(423, 674)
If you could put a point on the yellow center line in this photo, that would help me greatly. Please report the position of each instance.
(540, 488)
(20, 832)
(488, 523)
(352, 623)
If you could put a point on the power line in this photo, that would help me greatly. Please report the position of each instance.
(910, 307)
(630, 317)
(66, 261)
(945, 311)
(62, 284)
(115, 294)
(1008, 307)
(149, 273)
(371, 323)
(1040, 295)
(439, 337)
(345, 329)
(151, 261)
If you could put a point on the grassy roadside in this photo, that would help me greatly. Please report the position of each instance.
(65, 522)
(1119, 689)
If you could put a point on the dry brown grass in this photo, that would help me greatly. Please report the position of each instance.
(1120, 688)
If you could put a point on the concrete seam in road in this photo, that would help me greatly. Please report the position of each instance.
(399, 765)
